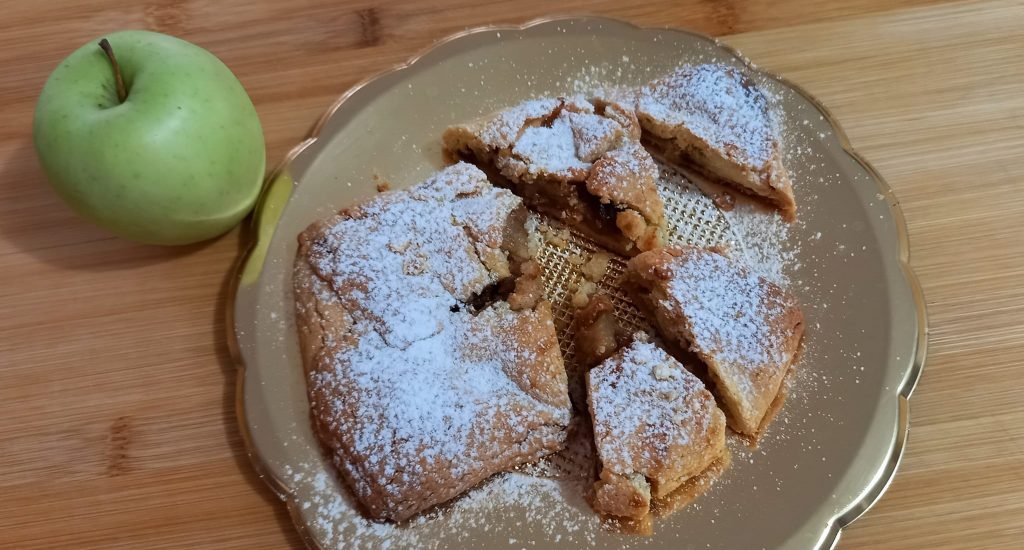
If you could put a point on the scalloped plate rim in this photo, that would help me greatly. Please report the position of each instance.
(830, 536)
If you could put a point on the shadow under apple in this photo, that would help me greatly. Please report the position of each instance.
(37, 222)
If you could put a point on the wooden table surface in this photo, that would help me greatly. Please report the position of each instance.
(117, 424)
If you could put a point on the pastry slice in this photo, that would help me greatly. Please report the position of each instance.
(655, 426)
(745, 329)
(580, 163)
(715, 118)
(430, 362)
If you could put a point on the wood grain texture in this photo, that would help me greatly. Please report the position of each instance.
(117, 425)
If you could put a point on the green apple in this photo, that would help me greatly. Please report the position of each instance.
(151, 137)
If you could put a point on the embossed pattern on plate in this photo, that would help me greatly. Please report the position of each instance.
(691, 218)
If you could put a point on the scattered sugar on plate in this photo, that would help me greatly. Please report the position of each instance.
(763, 242)
(332, 513)
(550, 501)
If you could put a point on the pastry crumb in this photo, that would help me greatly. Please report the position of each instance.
(382, 184)
(557, 237)
(724, 200)
(583, 293)
(595, 269)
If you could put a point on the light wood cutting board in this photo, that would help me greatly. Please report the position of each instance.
(117, 419)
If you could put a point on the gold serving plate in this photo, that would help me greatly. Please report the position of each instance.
(836, 445)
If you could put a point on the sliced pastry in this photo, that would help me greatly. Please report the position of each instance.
(580, 163)
(716, 119)
(431, 364)
(744, 328)
(655, 426)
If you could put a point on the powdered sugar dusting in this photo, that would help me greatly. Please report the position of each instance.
(763, 242)
(562, 141)
(418, 252)
(646, 406)
(728, 310)
(549, 150)
(555, 512)
(752, 233)
(418, 394)
(576, 142)
(504, 129)
(435, 413)
(549, 516)
(718, 104)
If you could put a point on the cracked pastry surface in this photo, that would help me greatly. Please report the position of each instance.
(431, 364)
(577, 161)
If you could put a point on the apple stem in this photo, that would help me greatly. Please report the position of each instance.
(122, 93)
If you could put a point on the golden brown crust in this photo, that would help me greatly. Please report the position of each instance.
(417, 396)
(582, 165)
(714, 117)
(746, 329)
(624, 496)
(655, 426)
